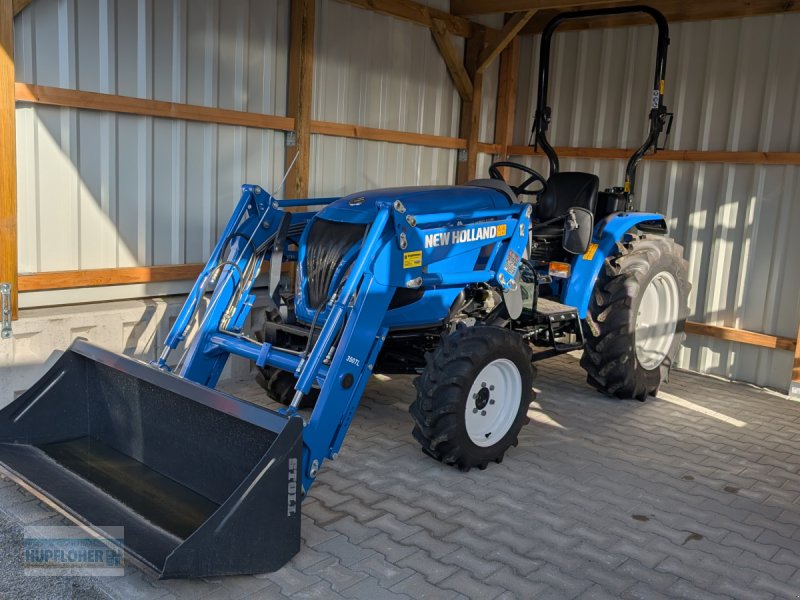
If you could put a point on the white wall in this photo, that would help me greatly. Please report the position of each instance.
(733, 85)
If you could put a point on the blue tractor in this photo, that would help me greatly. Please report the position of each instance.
(465, 286)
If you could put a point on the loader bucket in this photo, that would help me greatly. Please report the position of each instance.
(203, 483)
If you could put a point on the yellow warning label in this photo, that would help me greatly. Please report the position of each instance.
(589, 255)
(412, 259)
(662, 87)
(501, 230)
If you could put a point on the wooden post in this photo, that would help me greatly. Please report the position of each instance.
(8, 155)
(471, 111)
(507, 99)
(299, 99)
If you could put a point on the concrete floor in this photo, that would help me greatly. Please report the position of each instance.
(695, 494)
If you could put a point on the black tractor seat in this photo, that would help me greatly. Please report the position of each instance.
(563, 191)
(497, 185)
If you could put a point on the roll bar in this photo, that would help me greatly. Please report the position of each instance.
(658, 112)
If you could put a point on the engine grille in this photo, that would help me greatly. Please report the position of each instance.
(326, 245)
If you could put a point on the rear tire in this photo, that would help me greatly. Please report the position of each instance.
(635, 321)
(473, 396)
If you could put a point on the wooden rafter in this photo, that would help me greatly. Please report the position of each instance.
(502, 39)
(480, 7)
(20, 5)
(414, 12)
(674, 10)
(452, 58)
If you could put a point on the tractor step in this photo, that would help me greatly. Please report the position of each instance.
(552, 311)
(556, 317)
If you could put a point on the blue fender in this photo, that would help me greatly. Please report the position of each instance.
(586, 267)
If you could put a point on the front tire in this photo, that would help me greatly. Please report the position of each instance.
(635, 321)
(473, 396)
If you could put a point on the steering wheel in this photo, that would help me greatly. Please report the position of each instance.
(522, 188)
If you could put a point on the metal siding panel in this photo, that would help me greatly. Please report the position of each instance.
(138, 190)
(98, 235)
(491, 79)
(128, 34)
(343, 166)
(27, 188)
(388, 74)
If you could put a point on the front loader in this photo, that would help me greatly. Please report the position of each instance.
(465, 286)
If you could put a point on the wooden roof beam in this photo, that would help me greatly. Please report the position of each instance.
(481, 7)
(504, 38)
(414, 12)
(674, 11)
(452, 58)
(20, 5)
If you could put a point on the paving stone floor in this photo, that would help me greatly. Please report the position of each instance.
(695, 494)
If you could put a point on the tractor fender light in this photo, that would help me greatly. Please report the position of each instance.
(559, 269)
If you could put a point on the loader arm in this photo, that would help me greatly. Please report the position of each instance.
(341, 360)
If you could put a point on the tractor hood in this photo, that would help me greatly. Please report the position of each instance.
(362, 207)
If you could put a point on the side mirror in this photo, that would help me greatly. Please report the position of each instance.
(578, 229)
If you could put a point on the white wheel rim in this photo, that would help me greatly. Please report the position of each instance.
(657, 320)
(493, 402)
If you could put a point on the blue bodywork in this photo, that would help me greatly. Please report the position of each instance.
(451, 205)
(433, 239)
(586, 267)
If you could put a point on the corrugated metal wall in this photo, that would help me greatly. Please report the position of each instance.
(102, 190)
(120, 190)
(376, 71)
(733, 85)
